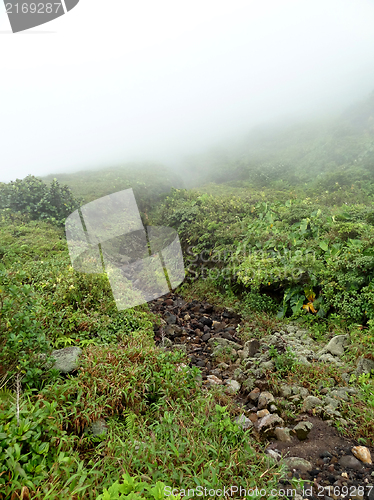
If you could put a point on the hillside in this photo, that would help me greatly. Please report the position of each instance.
(256, 372)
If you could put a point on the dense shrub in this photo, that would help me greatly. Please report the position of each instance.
(34, 197)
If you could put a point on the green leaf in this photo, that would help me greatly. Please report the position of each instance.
(324, 245)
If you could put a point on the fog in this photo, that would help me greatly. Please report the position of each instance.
(113, 82)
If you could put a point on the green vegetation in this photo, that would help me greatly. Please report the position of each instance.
(284, 233)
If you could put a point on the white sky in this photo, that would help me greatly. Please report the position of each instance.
(120, 80)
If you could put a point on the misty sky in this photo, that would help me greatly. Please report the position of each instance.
(120, 80)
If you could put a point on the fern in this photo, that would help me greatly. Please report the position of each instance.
(130, 422)
(6, 395)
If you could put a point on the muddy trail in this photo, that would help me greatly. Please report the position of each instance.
(313, 450)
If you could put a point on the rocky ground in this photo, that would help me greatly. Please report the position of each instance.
(293, 425)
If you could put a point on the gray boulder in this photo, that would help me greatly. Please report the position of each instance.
(336, 345)
(364, 366)
(233, 386)
(66, 359)
(350, 462)
(98, 427)
(243, 422)
(298, 463)
(311, 402)
(251, 347)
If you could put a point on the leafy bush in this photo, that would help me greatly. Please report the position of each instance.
(30, 448)
(132, 489)
(32, 196)
(258, 302)
(22, 337)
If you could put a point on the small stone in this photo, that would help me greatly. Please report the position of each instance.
(252, 347)
(243, 422)
(254, 395)
(282, 434)
(362, 453)
(285, 391)
(269, 422)
(187, 317)
(233, 386)
(302, 430)
(273, 409)
(350, 462)
(171, 320)
(311, 402)
(274, 454)
(298, 463)
(262, 413)
(66, 359)
(265, 399)
(206, 337)
(213, 380)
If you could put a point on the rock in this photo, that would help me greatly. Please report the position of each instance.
(350, 462)
(206, 321)
(273, 409)
(244, 422)
(340, 393)
(218, 326)
(268, 423)
(213, 380)
(336, 345)
(98, 427)
(302, 430)
(233, 386)
(262, 413)
(328, 358)
(282, 434)
(298, 463)
(285, 391)
(66, 359)
(171, 319)
(364, 366)
(251, 347)
(274, 454)
(206, 337)
(304, 393)
(333, 403)
(362, 453)
(265, 399)
(311, 402)
(254, 395)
